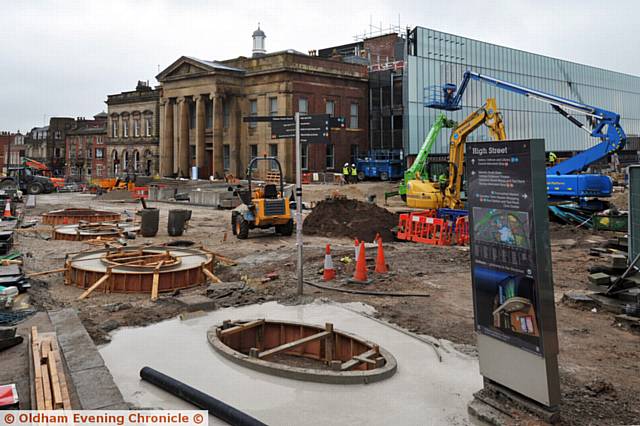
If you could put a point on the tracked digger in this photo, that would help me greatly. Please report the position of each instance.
(426, 194)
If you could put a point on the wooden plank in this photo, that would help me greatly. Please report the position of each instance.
(64, 389)
(294, 344)
(94, 286)
(209, 274)
(241, 327)
(55, 382)
(37, 373)
(34, 335)
(156, 282)
(357, 359)
(328, 343)
(45, 347)
(53, 271)
(48, 403)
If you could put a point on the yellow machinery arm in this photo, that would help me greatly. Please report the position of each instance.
(487, 114)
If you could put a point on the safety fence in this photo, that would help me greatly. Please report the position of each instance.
(441, 227)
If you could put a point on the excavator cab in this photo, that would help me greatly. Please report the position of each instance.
(447, 193)
(263, 206)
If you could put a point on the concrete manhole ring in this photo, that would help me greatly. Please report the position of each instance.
(302, 351)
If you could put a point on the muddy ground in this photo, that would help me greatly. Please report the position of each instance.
(599, 360)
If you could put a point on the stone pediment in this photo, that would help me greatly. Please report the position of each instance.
(186, 66)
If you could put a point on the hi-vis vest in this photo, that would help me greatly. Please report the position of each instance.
(345, 171)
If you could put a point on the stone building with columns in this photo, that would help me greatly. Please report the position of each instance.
(203, 103)
(133, 127)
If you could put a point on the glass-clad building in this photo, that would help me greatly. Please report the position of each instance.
(434, 58)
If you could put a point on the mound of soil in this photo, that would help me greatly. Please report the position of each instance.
(350, 218)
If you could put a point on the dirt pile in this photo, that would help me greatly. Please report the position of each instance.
(350, 218)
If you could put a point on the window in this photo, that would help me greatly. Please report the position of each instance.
(253, 112)
(99, 152)
(273, 106)
(354, 154)
(125, 128)
(136, 161)
(57, 153)
(125, 161)
(303, 106)
(225, 114)
(147, 126)
(99, 170)
(353, 122)
(116, 162)
(273, 152)
(88, 171)
(253, 154)
(305, 156)
(114, 127)
(136, 127)
(329, 159)
(57, 135)
(226, 157)
(330, 108)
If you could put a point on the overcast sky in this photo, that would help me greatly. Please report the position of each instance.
(62, 58)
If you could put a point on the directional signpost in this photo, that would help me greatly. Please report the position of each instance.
(305, 129)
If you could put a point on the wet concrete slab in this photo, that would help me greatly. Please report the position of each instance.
(424, 391)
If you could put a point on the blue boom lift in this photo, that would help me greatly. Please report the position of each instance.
(563, 179)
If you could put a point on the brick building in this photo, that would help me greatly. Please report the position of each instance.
(384, 55)
(133, 129)
(5, 140)
(85, 150)
(203, 104)
(55, 144)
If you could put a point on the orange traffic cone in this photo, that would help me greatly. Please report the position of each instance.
(7, 209)
(381, 265)
(361, 266)
(357, 249)
(329, 272)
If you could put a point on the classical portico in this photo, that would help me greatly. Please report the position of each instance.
(193, 97)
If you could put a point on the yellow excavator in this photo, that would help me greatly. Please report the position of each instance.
(446, 193)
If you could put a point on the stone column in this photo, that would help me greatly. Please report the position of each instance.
(200, 126)
(183, 138)
(217, 161)
(166, 143)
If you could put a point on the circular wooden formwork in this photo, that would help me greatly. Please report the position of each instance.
(89, 231)
(344, 357)
(132, 269)
(76, 215)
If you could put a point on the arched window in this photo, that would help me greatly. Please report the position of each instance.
(116, 162)
(125, 161)
(136, 161)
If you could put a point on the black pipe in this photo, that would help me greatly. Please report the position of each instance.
(200, 399)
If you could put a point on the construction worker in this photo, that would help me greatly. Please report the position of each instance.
(354, 173)
(346, 172)
(552, 158)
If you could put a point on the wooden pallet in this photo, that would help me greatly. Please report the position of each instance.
(50, 383)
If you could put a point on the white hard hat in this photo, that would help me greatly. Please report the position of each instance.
(353, 165)
(346, 164)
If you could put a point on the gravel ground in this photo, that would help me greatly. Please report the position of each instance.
(599, 361)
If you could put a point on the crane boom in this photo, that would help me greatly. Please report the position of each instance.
(606, 127)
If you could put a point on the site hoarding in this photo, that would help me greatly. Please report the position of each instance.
(510, 260)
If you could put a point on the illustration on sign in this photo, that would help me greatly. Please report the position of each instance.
(505, 287)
